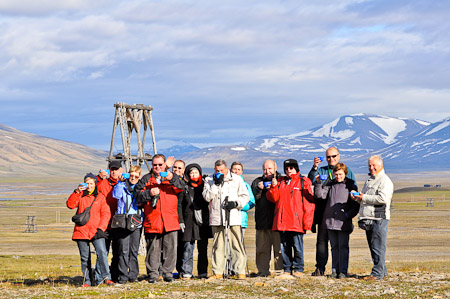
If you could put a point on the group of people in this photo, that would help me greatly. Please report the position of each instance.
(176, 206)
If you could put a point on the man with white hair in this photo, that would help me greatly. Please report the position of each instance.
(374, 214)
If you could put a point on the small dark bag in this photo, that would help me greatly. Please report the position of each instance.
(83, 218)
(119, 221)
(366, 224)
(133, 222)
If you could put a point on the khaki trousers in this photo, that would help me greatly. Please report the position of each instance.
(238, 257)
(266, 239)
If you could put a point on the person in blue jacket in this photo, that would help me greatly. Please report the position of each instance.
(332, 157)
(238, 168)
(128, 240)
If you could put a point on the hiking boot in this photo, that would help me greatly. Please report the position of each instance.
(242, 277)
(160, 278)
(297, 274)
(333, 275)
(86, 285)
(215, 277)
(371, 278)
(342, 275)
(285, 275)
(318, 272)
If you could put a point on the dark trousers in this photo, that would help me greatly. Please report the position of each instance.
(111, 241)
(321, 247)
(128, 265)
(167, 243)
(339, 250)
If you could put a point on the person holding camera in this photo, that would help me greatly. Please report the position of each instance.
(337, 217)
(332, 157)
(227, 195)
(294, 213)
(88, 200)
(374, 214)
(128, 237)
(266, 238)
(158, 192)
(106, 187)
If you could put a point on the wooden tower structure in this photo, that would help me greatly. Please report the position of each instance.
(136, 118)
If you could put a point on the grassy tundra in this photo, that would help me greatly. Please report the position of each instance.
(46, 264)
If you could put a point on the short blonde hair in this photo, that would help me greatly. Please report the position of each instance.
(136, 168)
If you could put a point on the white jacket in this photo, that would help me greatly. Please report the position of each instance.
(376, 201)
(233, 186)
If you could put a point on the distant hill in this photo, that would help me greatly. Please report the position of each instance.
(26, 154)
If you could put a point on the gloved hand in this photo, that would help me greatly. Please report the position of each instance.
(182, 226)
(230, 205)
(100, 234)
(218, 178)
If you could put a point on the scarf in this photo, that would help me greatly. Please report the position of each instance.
(196, 182)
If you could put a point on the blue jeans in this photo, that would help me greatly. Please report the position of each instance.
(187, 262)
(292, 261)
(377, 238)
(102, 267)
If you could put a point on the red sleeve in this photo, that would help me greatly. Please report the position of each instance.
(308, 206)
(307, 190)
(74, 200)
(105, 213)
(273, 194)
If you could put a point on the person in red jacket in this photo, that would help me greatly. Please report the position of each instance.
(93, 231)
(294, 214)
(158, 191)
(106, 187)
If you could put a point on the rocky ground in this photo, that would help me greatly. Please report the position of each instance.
(397, 285)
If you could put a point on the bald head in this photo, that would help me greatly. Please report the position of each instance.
(269, 168)
(333, 156)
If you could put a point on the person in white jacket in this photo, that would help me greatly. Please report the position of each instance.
(226, 192)
(374, 214)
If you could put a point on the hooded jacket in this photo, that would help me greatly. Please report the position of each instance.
(99, 214)
(192, 200)
(105, 187)
(294, 204)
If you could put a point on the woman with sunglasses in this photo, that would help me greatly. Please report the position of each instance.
(128, 240)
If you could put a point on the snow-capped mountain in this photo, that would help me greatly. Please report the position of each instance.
(428, 149)
(174, 147)
(352, 134)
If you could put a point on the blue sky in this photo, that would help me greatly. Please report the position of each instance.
(219, 72)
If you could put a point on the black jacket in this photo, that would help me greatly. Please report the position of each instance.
(264, 209)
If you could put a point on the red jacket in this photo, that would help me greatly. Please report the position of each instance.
(100, 214)
(294, 207)
(105, 187)
(164, 218)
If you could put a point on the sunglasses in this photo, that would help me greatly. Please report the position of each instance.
(158, 164)
(332, 156)
(134, 176)
(175, 167)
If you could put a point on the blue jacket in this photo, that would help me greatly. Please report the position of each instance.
(248, 206)
(123, 192)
